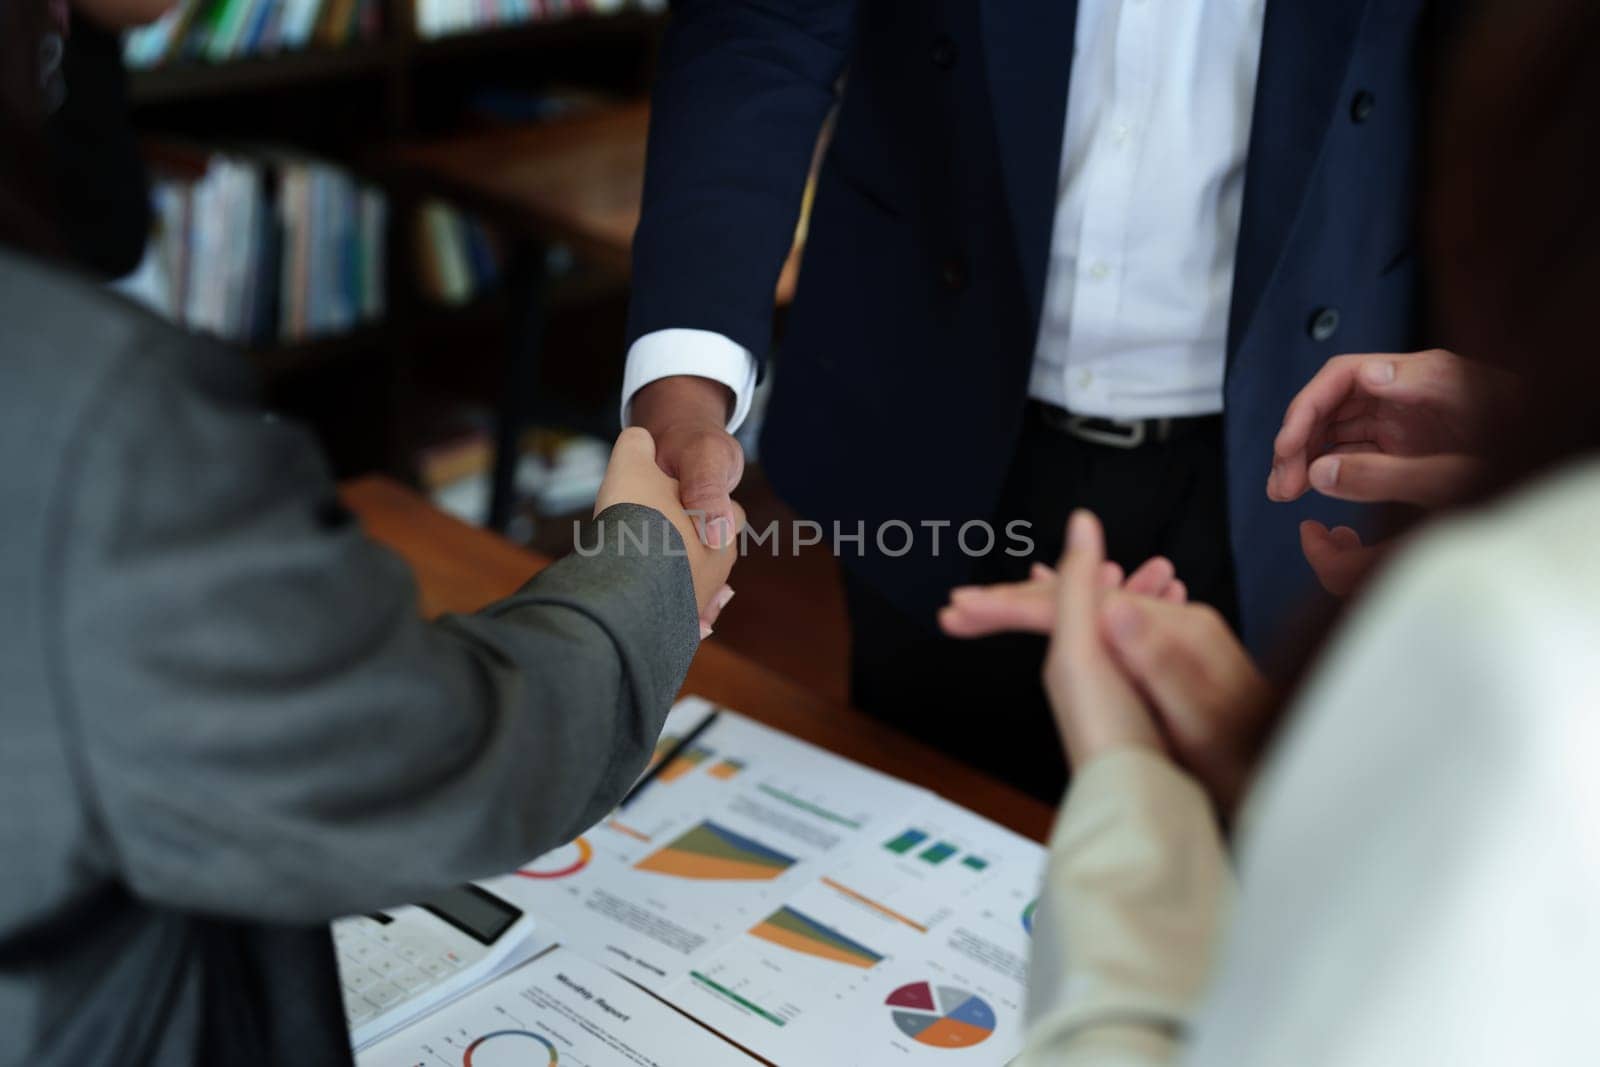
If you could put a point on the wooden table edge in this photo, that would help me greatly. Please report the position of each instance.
(460, 568)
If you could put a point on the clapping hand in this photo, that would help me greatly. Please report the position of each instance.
(1096, 705)
(1030, 606)
(1383, 427)
(1131, 662)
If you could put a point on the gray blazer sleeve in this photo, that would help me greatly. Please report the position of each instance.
(266, 729)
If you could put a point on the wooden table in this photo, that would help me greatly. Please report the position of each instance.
(461, 568)
(576, 181)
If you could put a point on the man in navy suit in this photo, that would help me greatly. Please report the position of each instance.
(1062, 254)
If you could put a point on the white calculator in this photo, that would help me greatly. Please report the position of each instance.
(399, 964)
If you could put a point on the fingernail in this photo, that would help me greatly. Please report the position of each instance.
(1325, 473)
(1079, 531)
(720, 601)
(1379, 373)
(1272, 478)
(705, 631)
(1124, 619)
(717, 533)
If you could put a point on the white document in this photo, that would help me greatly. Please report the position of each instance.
(737, 825)
(811, 909)
(559, 1009)
(912, 950)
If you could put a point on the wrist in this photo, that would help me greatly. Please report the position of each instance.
(681, 398)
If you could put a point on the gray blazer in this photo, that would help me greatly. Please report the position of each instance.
(222, 723)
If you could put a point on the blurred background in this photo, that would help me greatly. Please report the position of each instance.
(415, 217)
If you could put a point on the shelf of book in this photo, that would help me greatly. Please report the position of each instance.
(196, 81)
(191, 81)
(279, 360)
(249, 87)
(536, 33)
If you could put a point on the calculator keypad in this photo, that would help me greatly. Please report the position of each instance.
(378, 966)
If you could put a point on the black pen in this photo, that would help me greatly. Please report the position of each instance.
(671, 754)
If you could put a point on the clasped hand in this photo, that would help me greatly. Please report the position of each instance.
(634, 477)
(1131, 662)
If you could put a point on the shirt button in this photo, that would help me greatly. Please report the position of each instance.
(1085, 379)
(1099, 271)
(1119, 133)
(943, 52)
(1361, 106)
(1324, 324)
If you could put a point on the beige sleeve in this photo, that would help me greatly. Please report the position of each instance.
(1130, 916)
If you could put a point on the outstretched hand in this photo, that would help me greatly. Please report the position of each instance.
(634, 477)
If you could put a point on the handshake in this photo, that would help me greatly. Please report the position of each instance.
(634, 476)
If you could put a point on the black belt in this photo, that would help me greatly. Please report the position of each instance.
(1121, 433)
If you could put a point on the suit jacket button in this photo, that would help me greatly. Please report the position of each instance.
(953, 274)
(1324, 324)
(943, 52)
(1361, 106)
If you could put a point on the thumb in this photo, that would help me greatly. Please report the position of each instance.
(632, 455)
(1078, 591)
(634, 445)
(706, 476)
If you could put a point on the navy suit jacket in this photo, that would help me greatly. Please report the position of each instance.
(904, 368)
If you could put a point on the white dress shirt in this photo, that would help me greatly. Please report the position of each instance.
(1140, 278)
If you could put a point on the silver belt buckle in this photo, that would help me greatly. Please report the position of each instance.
(1127, 435)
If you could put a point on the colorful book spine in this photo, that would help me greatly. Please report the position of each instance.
(266, 251)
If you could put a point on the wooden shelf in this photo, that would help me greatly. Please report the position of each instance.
(193, 81)
(343, 104)
(538, 32)
(200, 81)
(291, 356)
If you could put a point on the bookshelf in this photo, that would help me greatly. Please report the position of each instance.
(180, 82)
(346, 104)
(396, 56)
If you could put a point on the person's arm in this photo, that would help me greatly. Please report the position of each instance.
(1137, 878)
(1132, 909)
(266, 727)
(741, 93)
(1417, 863)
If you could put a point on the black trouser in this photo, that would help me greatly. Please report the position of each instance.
(982, 700)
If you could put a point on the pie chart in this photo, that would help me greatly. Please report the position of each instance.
(558, 863)
(941, 1016)
(513, 1048)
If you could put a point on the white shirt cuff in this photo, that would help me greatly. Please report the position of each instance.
(702, 353)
